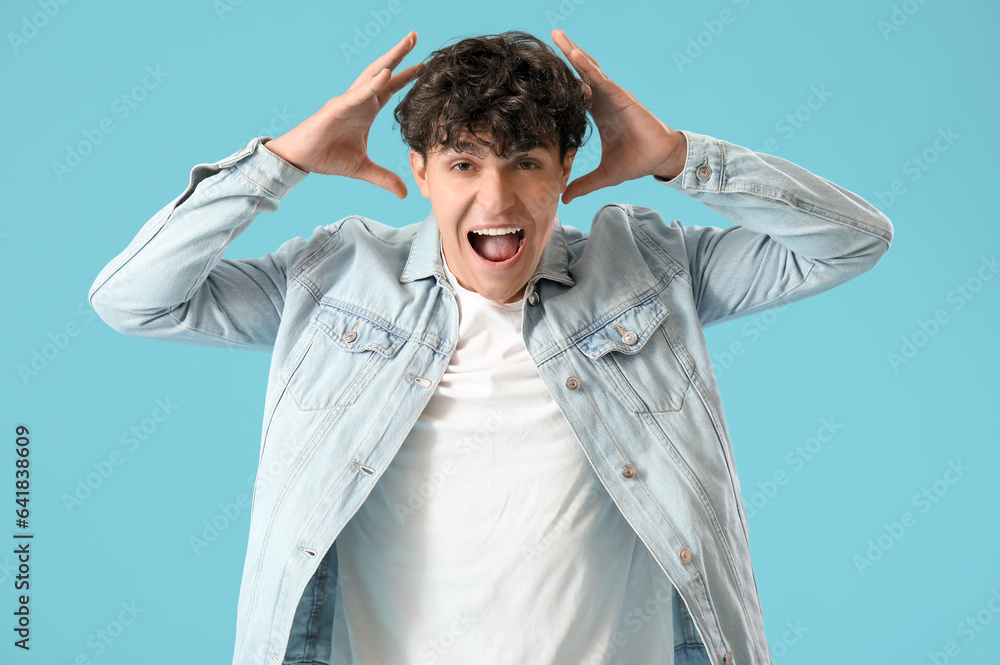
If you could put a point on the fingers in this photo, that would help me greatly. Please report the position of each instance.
(585, 65)
(389, 60)
(398, 81)
(381, 177)
(374, 84)
(583, 185)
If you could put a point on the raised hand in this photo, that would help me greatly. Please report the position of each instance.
(334, 140)
(634, 142)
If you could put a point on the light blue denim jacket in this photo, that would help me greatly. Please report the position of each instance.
(361, 322)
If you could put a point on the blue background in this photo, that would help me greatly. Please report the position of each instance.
(229, 72)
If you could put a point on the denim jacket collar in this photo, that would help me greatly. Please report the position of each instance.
(425, 258)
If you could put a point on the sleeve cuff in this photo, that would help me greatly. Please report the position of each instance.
(264, 168)
(702, 166)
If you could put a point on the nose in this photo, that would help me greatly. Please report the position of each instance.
(495, 193)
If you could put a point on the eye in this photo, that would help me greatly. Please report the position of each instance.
(459, 165)
(528, 165)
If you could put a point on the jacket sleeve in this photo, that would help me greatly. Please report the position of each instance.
(172, 283)
(794, 234)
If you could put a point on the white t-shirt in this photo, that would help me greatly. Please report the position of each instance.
(489, 538)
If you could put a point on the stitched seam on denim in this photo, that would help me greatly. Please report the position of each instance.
(717, 426)
(335, 484)
(269, 528)
(699, 490)
(312, 258)
(300, 462)
(573, 339)
(205, 269)
(781, 196)
(766, 304)
(155, 231)
(267, 191)
(609, 427)
(675, 266)
(370, 319)
(227, 340)
(430, 340)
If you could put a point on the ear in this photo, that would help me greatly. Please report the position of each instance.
(567, 166)
(419, 167)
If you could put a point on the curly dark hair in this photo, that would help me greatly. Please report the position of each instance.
(511, 86)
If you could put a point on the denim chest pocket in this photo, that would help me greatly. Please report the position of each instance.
(339, 356)
(640, 354)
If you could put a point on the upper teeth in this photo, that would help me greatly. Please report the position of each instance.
(496, 232)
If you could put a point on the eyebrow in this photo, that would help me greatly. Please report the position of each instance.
(447, 152)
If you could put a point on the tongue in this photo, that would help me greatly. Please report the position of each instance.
(495, 248)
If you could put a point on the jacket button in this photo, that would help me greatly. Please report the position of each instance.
(533, 298)
(629, 337)
(729, 658)
(704, 172)
(573, 383)
(349, 336)
(686, 555)
(628, 471)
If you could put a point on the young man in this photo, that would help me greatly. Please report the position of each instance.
(562, 486)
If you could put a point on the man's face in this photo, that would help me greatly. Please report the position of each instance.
(477, 195)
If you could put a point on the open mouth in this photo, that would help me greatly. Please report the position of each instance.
(497, 245)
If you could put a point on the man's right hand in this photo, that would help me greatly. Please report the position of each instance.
(334, 140)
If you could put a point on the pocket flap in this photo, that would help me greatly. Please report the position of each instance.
(628, 332)
(355, 333)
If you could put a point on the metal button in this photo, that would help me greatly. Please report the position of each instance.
(573, 383)
(686, 555)
(729, 658)
(352, 334)
(420, 381)
(533, 298)
(628, 336)
(704, 172)
(628, 471)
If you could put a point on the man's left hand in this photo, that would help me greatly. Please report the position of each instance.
(634, 142)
